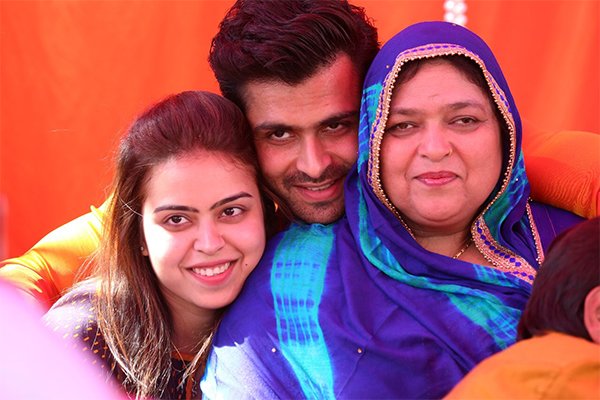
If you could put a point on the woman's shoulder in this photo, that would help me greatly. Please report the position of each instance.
(551, 221)
(73, 314)
(73, 317)
(79, 297)
(554, 212)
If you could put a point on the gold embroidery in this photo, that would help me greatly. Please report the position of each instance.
(500, 257)
(539, 250)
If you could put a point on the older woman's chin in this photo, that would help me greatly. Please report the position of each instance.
(446, 210)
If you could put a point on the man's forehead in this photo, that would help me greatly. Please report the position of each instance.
(313, 103)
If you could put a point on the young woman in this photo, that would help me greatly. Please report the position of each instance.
(185, 227)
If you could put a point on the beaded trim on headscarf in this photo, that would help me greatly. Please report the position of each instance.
(501, 258)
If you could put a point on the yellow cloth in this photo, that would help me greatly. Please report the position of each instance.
(553, 366)
(49, 267)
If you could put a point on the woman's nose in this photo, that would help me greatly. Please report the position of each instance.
(435, 144)
(209, 239)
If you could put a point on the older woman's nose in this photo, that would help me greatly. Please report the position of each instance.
(313, 158)
(435, 144)
(208, 239)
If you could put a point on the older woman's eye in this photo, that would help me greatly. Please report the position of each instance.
(466, 121)
(400, 127)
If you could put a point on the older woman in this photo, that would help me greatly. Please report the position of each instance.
(429, 271)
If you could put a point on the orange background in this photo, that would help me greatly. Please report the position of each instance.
(73, 74)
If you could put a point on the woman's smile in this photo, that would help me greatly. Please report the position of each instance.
(439, 178)
(211, 270)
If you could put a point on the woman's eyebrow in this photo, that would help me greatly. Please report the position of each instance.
(173, 207)
(452, 106)
(230, 199)
(404, 111)
(464, 104)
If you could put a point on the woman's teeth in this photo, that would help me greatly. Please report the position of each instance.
(212, 271)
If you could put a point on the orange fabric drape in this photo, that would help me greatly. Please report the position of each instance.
(73, 74)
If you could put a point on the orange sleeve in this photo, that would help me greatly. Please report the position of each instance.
(553, 366)
(50, 266)
(564, 170)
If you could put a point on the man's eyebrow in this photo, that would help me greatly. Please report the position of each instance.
(339, 117)
(273, 126)
(278, 126)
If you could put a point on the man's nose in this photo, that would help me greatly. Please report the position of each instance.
(314, 158)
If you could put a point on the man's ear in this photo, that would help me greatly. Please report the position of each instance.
(591, 313)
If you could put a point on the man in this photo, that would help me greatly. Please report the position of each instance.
(301, 93)
(300, 88)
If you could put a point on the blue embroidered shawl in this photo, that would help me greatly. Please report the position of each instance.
(359, 309)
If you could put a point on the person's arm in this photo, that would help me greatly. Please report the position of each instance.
(50, 266)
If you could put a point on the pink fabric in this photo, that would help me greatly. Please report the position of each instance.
(35, 363)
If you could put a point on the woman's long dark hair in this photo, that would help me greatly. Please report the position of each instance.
(132, 314)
